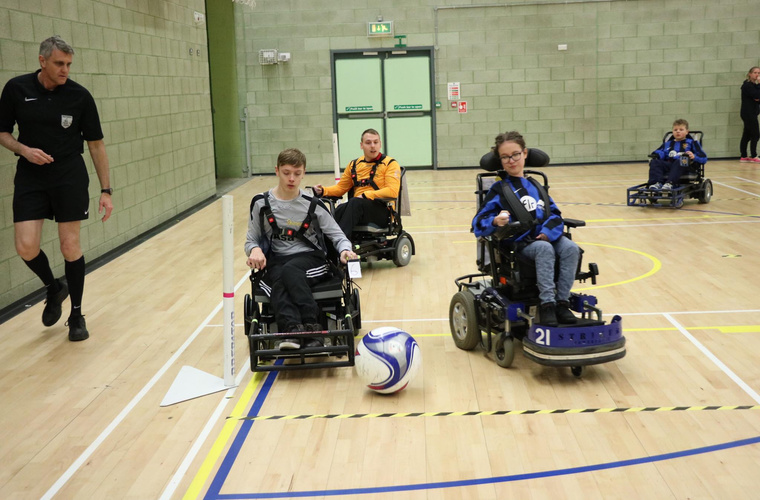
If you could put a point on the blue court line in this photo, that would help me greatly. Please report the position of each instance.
(224, 469)
(232, 453)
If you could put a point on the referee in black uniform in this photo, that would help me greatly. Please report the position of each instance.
(54, 116)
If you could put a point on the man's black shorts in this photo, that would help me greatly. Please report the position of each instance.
(58, 191)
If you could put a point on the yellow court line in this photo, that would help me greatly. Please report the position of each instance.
(739, 329)
(220, 444)
(656, 266)
(684, 217)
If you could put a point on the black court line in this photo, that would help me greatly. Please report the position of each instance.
(485, 413)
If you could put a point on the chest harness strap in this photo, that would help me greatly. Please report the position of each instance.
(370, 181)
(525, 217)
(287, 233)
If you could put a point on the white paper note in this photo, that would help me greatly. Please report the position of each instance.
(354, 268)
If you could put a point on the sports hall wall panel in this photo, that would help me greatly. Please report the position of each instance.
(630, 69)
(153, 99)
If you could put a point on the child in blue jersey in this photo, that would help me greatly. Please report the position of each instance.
(545, 243)
(666, 168)
(292, 258)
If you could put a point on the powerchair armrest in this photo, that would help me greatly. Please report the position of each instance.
(388, 201)
(574, 222)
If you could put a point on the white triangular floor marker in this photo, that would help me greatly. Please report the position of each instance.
(192, 383)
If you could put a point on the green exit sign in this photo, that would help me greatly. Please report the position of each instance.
(380, 29)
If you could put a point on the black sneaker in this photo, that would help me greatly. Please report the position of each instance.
(564, 313)
(52, 312)
(289, 344)
(313, 327)
(315, 342)
(77, 328)
(295, 327)
(548, 314)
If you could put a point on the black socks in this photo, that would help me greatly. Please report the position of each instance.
(75, 279)
(41, 267)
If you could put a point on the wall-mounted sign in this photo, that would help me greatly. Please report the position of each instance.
(384, 28)
(454, 93)
(463, 106)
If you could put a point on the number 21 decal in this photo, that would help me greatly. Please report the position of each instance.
(543, 337)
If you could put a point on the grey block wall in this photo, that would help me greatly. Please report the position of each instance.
(153, 99)
(630, 69)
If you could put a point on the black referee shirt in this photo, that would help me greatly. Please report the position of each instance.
(54, 121)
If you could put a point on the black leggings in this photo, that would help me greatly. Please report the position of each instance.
(360, 211)
(750, 136)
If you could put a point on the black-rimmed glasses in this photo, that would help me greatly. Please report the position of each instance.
(515, 157)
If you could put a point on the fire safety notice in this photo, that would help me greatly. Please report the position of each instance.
(454, 93)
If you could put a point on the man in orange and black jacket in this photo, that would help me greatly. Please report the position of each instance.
(368, 180)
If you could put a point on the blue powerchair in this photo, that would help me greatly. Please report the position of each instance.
(692, 184)
(389, 240)
(340, 317)
(500, 304)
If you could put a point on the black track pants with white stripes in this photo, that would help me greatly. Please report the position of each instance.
(289, 278)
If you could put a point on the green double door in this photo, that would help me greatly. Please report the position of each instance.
(392, 92)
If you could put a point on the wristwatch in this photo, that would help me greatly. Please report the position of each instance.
(107, 190)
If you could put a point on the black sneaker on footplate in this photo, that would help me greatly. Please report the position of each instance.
(52, 312)
(315, 342)
(288, 344)
(77, 328)
(564, 313)
(548, 314)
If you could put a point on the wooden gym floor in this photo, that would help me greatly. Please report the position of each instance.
(678, 417)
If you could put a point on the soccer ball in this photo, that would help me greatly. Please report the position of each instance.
(387, 359)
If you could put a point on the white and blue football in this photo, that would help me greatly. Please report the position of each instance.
(387, 359)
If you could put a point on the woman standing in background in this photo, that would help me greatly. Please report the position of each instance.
(749, 111)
